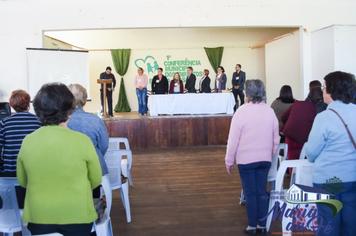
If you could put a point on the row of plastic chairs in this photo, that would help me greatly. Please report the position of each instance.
(302, 172)
(119, 161)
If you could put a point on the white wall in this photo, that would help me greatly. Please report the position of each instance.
(323, 52)
(333, 48)
(22, 21)
(283, 66)
(345, 48)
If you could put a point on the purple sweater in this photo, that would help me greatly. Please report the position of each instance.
(253, 136)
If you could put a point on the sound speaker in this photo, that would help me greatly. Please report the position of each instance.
(5, 110)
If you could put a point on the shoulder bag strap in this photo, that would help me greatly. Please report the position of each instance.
(347, 128)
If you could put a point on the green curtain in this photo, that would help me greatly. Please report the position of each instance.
(121, 59)
(214, 56)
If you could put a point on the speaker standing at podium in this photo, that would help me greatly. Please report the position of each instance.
(109, 89)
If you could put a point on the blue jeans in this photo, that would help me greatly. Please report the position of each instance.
(254, 183)
(141, 97)
(344, 222)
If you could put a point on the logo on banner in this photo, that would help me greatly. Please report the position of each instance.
(170, 66)
(298, 204)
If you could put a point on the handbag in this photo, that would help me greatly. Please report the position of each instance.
(346, 127)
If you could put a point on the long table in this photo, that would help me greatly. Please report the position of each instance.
(192, 104)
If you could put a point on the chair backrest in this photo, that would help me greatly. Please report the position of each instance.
(282, 147)
(10, 218)
(106, 186)
(303, 173)
(113, 162)
(115, 143)
(303, 153)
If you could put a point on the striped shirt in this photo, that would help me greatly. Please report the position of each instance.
(13, 130)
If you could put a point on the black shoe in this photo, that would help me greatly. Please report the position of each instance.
(250, 231)
(262, 231)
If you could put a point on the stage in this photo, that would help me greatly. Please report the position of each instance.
(169, 131)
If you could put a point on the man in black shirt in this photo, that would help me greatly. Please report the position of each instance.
(190, 82)
(109, 89)
(159, 83)
(238, 83)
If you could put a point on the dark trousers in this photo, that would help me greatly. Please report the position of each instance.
(344, 222)
(254, 183)
(66, 230)
(109, 99)
(238, 93)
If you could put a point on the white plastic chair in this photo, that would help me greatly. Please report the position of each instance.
(284, 147)
(303, 154)
(113, 161)
(104, 228)
(303, 175)
(10, 217)
(126, 163)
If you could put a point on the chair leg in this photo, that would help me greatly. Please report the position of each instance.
(129, 176)
(124, 191)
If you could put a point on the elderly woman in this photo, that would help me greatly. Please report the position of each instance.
(252, 142)
(14, 129)
(59, 168)
(89, 124)
(332, 148)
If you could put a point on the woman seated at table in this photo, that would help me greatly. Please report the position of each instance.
(59, 168)
(176, 85)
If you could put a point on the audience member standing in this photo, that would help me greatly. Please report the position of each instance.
(282, 103)
(89, 124)
(159, 83)
(320, 105)
(59, 168)
(14, 129)
(220, 80)
(238, 83)
(251, 144)
(176, 84)
(298, 120)
(204, 83)
(109, 89)
(141, 81)
(332, 148)
(190, 81)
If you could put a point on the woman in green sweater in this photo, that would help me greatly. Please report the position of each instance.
(59, 168)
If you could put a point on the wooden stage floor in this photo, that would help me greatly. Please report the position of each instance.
(181, 191)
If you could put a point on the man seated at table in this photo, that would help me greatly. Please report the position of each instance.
(190, 82)
(159, 83)
(204, 83)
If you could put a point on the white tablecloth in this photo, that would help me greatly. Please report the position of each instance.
(189, 103)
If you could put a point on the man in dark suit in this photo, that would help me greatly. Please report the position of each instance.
(204, 83)
(159, 83)
(109, 89)
(238, 83)
(190, 82)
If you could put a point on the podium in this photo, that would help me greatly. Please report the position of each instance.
(104, 82)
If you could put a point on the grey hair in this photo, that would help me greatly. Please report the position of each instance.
(80, 94)
(255, 91)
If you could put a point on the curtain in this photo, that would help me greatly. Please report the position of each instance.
(214, 56)
(121, 59)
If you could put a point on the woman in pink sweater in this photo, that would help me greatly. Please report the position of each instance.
(253, 139)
